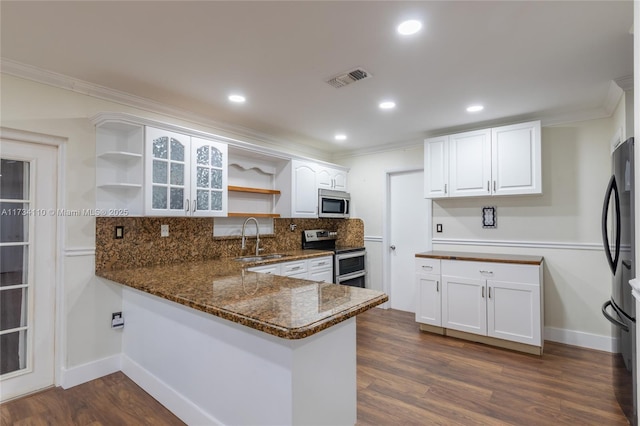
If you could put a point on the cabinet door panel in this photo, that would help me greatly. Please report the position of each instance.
(464, 305)
(516, 156)
(470, 164)
(514, 312)
(324, 178)
(167, 170)
(428, 310)
(209, 178)
(436, 167)
(340, 180)
(305, 192)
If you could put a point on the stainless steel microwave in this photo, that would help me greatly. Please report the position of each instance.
(333, 204)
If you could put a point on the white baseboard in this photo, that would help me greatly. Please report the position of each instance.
(90, 371)
(582, 339)
(175, 402)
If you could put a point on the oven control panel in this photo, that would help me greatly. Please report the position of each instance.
(319, 235)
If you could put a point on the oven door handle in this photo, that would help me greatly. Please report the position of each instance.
(351, 254)
(347, 277)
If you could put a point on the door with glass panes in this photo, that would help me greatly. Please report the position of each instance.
(27, 267)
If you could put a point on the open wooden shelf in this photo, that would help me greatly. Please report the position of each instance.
(253, 190)
(275, 215)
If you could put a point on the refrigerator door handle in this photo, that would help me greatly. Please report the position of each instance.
(611, 319)
(612, 188)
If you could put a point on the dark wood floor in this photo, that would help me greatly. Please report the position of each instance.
(411, 378)
(404, 378)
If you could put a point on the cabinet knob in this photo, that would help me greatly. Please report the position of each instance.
(392, 247)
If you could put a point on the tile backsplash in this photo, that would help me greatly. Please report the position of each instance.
(191, 239)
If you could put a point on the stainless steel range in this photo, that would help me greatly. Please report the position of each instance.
(349, 263)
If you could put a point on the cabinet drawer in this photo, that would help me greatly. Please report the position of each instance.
(293, 268)
(266, 269)
(492, 271)
(427, 266)
(321, 263)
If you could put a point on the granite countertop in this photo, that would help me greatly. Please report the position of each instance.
(286, 307)
(482, 257)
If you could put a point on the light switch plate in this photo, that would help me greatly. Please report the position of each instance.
(164, 230)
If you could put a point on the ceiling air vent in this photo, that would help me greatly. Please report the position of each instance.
(342, 80)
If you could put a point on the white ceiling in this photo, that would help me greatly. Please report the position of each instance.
(522, 60)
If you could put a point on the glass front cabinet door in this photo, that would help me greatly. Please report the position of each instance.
(185, 176)
(208, 178)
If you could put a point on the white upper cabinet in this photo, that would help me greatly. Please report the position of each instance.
(328, 178)
(299, 181)
(167, 172)
(470, 164)
(185, 176)
(305, 194)
(119, 168)
(516, 159)
(436, 167)
(299, 198)
(500, 161)
(208, 178)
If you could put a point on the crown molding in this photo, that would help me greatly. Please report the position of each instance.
(625, 83)
(7, 133)
(61, 81)
(239, 133)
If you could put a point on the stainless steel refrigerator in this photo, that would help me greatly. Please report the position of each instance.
(619, 247)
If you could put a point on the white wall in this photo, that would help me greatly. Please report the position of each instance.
(367, 186)
(563, 224)
(88, 301)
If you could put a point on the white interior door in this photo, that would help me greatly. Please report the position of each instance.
(409, 233)
(28, 182)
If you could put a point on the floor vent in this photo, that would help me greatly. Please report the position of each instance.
(352, 76)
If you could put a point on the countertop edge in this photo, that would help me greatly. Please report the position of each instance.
(253, 323)
(483, 257)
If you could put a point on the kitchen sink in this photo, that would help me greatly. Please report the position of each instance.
(260, 258)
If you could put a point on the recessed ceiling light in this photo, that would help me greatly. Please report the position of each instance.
(341, 137)
(387, 105)
(475, 108)
(237, 98)
(409, 27)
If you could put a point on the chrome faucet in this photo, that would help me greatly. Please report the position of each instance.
(244, 243)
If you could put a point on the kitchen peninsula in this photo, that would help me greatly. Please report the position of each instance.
(216, 343)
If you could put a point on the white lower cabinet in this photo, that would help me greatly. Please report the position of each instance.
(321, 269)
(463, 304)
(497, 300)
(428, 309)
(295, 269)
(273, 268)
(314, 269)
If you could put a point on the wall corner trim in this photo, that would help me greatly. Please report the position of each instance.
(581, 339)
(175, 402)
(74, 376)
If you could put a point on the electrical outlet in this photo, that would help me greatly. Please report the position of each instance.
(439, 227)
(164, 230)
(119, 232)
(117, 320)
